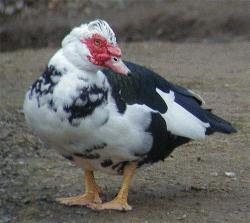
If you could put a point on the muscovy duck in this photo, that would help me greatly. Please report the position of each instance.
(107, 115)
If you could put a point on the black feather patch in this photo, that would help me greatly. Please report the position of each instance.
(217, 124)
(106, 163)
(87, 156)
(119, 167)
(164, 142)
(68, 157)
(47, 79)
(136, 88)
(86, 106)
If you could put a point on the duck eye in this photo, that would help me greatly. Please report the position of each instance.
(115, 59)
(97, 42)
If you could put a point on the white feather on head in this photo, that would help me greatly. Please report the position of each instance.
(88, 29)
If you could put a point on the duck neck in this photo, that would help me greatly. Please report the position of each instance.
(85, 72)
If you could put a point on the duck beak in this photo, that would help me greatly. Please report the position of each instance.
(117, 65)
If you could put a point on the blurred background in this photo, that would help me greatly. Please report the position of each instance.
(41, 23)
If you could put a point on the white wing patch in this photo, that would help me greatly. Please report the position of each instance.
(180, 121)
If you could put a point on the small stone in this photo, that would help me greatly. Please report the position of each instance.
(182, 217)
(198, 159)
(21, 162)
(230, 174)
(214, 174)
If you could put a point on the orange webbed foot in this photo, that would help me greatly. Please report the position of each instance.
(120, 202)
(91, 195)
(81, 200)
(116, 204)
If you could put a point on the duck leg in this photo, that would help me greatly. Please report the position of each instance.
(120, 202)
(92, 191)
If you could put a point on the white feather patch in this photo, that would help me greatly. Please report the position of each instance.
(180, 121)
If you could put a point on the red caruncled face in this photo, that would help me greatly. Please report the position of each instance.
(101, 51)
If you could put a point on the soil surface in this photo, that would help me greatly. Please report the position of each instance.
(190, 186)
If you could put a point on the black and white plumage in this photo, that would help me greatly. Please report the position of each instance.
(113, 120)
(102, 120)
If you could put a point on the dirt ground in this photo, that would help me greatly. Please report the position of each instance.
(190, 186)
